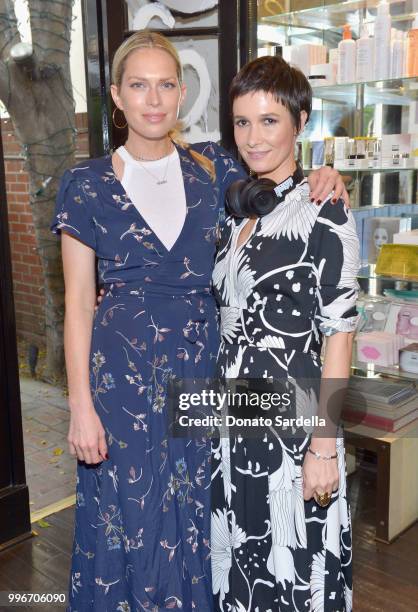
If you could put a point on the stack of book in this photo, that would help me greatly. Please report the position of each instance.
(383, 404)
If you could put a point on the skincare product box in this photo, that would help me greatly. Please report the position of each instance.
(407, 321)
(399, 260)
(381, 230)
(406, 237)
(322, 74)
(381, 348)
(395, 149)
(373, 314)
(360, 214)
(408, 358)
(306, 55)
(364, 57)
(382, 37)
(346, 57)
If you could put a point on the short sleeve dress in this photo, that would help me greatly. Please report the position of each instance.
(141, 537)
(290, 283)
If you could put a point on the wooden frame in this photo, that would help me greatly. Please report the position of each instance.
(14, 494)
(105, 27)
(397, 474)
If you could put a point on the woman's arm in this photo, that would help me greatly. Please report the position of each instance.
(335, 251)
(86, 435)
(321, 475)
(334, 380)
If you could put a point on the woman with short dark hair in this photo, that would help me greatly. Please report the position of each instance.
(285, 277)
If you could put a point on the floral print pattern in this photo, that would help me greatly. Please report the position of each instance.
(142, 518)
(290, 283)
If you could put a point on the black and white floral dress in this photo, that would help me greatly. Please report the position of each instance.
(290, 283)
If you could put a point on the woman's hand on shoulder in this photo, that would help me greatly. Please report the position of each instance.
(99, 299)
(323, 181)
(86, 435)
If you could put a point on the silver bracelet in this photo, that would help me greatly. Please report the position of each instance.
(319, 456)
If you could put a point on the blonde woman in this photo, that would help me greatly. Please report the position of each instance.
(149, 214)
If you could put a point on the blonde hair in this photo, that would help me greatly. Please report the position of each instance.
(145, 39)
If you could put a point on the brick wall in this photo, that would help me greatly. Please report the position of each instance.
(26, 267)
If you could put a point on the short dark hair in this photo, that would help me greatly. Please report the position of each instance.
(287, 84)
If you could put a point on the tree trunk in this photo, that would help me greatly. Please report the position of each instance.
(42, 111)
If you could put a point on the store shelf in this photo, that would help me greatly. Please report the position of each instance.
(412, 165)
(320, 16)
(370, 273)
(400, 92)
(371, 370)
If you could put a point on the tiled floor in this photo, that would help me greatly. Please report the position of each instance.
(50, 473)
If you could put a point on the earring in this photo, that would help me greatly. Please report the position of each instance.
(119, 127)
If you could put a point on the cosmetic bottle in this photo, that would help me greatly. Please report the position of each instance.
(347, 57)
(405, 54)
(364, 56)
(396, 55)
(412, 50)
(382, 27)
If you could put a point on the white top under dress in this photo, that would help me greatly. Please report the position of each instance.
(156, 189)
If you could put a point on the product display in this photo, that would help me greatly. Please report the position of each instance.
(408, 360)
(397, 54)
(398, 260)
(364, 123)
(381, 348)
(346, 58)
(406, 237)
(373, 314)
(412, 50)
(322, 74)
(369, 152)
(364, 57)
(407, 322)
(382, 230)
(382, 37)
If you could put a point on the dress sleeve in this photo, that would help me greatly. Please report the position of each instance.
(336, 263)
(72, 213)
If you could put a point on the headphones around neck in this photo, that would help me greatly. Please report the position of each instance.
(258, 197)
(251, 197)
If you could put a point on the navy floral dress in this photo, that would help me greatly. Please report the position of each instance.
(142, 518)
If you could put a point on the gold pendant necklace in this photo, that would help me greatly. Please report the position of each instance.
(158, 180)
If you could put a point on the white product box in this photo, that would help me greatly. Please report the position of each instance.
(326, 71)
(305, 55)
(406, 237)
(393, 146)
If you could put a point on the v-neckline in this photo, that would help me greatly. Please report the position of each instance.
(238, 229)
(144, 222)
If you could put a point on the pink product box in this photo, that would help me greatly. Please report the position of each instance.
(381, 348)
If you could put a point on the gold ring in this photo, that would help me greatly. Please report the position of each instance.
(323, 499)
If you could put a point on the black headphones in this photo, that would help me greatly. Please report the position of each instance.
(251, 197)
(258, 197)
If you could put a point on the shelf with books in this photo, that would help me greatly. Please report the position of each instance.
(387, 404)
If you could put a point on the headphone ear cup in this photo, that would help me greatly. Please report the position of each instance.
(258, 197)
(247, 198)
(233, 199)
